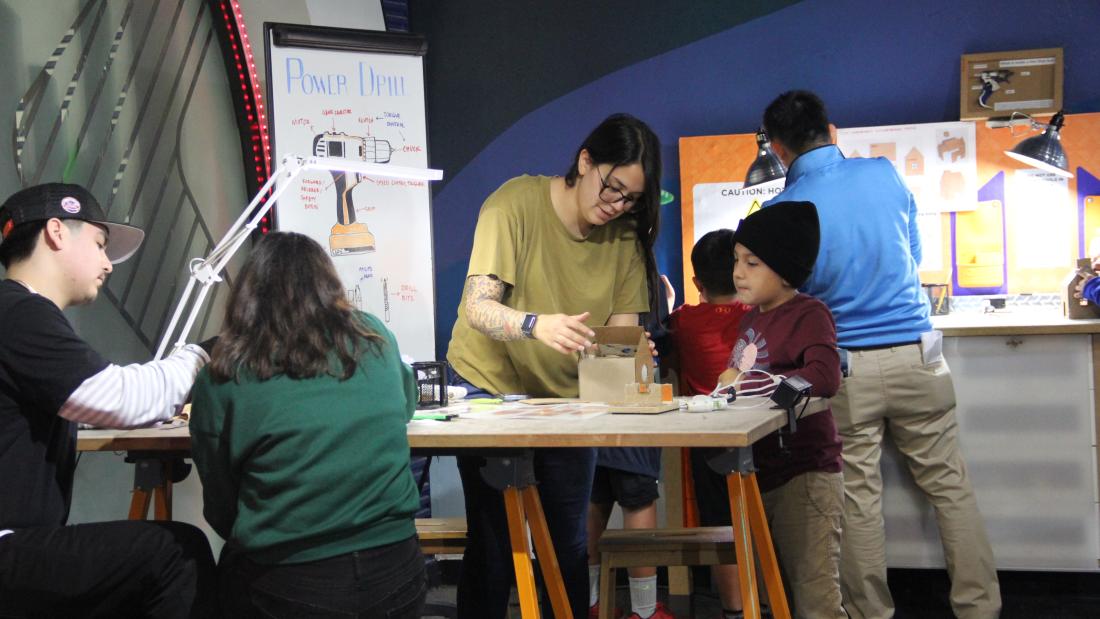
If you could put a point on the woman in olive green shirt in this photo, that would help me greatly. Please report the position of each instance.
(551, 255)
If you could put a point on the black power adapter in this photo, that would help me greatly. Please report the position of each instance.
(790, 392)
(788, 395)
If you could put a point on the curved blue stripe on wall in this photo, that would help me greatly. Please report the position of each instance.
(873, 65)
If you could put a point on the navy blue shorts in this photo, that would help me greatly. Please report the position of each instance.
(630, 490)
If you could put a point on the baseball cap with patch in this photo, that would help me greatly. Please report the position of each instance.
(66, 201)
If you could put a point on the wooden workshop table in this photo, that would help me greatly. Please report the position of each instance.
(507, 443)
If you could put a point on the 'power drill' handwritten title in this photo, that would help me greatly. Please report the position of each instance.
(366, 82)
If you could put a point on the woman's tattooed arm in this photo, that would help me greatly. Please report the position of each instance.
(486, 313)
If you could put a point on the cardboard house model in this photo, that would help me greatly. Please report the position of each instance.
(914, 162)
(620, 372)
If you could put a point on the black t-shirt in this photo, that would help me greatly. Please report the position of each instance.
(42, 361)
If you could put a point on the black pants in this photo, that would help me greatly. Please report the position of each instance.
(108, 569)
(387, 582)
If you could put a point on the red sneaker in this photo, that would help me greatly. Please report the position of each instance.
(661, 613)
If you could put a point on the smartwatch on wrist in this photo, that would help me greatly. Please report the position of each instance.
(528, 326)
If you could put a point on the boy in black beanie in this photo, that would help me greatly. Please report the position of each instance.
(790, 334)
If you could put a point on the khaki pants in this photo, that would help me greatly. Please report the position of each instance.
(804, 516)
(894, 389)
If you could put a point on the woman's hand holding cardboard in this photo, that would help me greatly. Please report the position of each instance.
(565, 334)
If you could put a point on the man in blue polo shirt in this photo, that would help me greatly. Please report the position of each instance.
(866, 272)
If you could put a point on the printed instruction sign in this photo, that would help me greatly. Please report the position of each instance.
(724, 205)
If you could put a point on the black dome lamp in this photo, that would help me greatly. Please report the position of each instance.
(767, 166)
(1044, 151)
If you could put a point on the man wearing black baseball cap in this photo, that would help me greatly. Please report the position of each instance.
(58, 249)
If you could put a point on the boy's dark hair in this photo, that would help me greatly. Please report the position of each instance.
(712, 261)
(797, 118)
(19, 244)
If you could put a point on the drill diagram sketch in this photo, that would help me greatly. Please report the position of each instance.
(348, 235)
(363, 107)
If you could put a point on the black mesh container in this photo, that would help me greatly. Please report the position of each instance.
(431, 383)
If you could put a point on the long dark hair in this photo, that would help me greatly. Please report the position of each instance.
(288, 314)
(620, 140)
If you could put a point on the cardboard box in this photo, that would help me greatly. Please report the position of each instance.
(621, 358)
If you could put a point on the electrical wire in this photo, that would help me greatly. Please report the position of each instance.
(759, 389)
(805, 403)
(769, 380)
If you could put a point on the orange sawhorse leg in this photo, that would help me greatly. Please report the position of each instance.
(154, 474)
(139, 504)
(162, 496)
(750, 525)
(742, 545)
(548, 559)
(514, 476)
(521, 554)
(761, 534)
(153, 477)
(159, 496)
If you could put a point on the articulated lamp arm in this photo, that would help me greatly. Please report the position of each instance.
(207, 270)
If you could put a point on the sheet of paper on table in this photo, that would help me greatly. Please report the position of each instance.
(565, 411)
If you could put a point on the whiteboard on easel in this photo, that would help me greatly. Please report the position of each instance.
(335, 92)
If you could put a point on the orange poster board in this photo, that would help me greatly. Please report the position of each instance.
(708, 159)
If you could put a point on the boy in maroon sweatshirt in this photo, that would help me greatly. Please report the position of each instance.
(791, 334)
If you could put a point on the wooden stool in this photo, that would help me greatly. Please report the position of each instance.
(649, 547)
(441, 536)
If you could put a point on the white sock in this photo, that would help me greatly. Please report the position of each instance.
(593, 584)
(643, 596)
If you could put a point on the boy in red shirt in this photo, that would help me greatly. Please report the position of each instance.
(703, 335)
(791, 334)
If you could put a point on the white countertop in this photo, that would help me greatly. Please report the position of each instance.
(1012, 322)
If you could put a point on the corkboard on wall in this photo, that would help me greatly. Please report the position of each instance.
(1000, 83)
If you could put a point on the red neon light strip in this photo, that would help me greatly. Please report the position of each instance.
(256, 117)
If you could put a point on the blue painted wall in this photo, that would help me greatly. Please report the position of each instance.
(873, 63)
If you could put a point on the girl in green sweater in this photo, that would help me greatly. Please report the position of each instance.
(298, 433)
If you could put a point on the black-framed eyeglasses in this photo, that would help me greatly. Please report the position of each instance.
(609, 195)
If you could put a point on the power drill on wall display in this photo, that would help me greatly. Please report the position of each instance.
(991, 82)
(349, 236)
